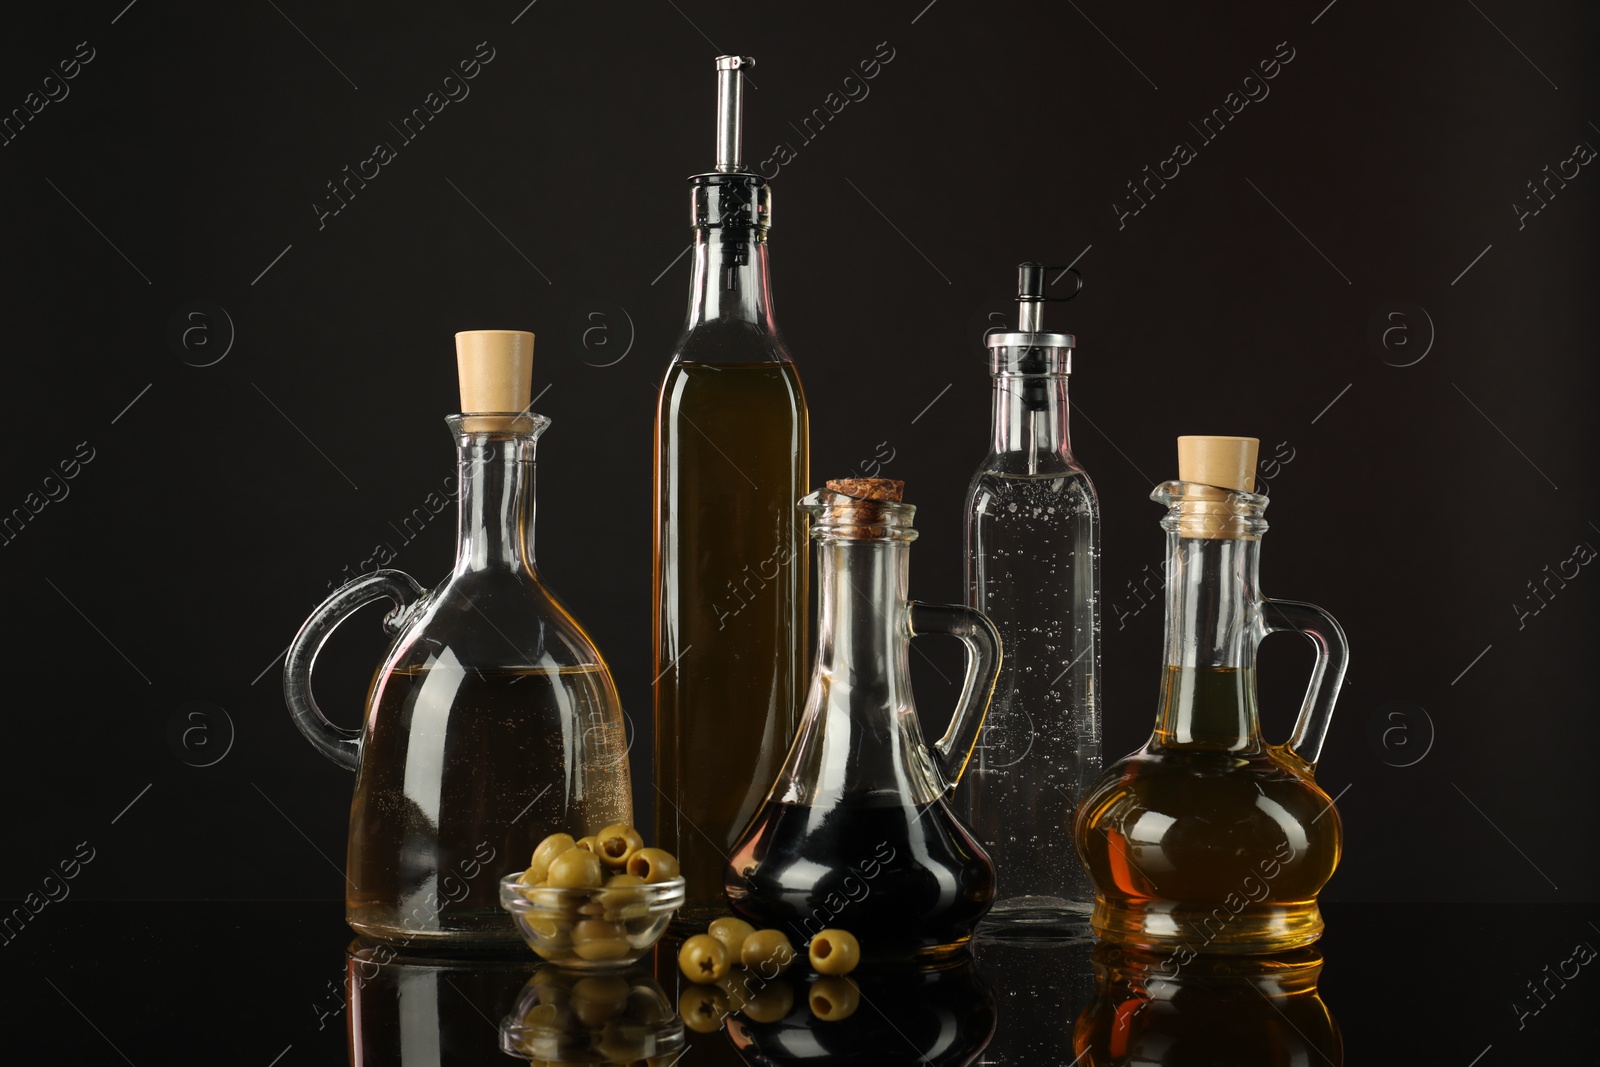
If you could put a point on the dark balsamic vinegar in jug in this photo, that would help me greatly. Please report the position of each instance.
(857, 831)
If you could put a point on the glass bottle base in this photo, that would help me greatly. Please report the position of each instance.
(1037, 916)
(1165, 926)
(495, 935)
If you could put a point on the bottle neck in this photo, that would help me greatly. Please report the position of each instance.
(1208, 695)
(496, 511)
(1029, 428)
(861, 601)
(731, 282)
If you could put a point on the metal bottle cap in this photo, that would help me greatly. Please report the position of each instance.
(1028, 349)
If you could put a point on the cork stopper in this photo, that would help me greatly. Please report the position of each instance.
(889, 489)
(495, 368)
(1225, 462)
(861, 509)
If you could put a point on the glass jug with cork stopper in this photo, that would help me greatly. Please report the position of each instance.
(1209, 839)
(857, 831)
(493, 720)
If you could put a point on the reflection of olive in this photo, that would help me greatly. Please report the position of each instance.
(647, 1005)
(835, 952)
(617, 843)
(599, 999)
(703, 1008)
(624, 1042)
(703, 959)
(575, 869)
(542, 1017)
(833, 999)
(771, 1003)
(731, 932)
(653, 865)
(767, 952)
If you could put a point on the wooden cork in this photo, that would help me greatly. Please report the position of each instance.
(495, 368)
(1217, 467)
(1225, 462)
(888, 489)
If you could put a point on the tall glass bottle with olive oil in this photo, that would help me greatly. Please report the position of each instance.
(732, 457)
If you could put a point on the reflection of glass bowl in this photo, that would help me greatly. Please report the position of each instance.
(591, 929)
(565, 1016)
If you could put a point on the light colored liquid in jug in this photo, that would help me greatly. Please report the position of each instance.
(463, 772)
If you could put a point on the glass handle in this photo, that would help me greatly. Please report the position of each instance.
(1333, 656)
(975, 631)
(338, 744)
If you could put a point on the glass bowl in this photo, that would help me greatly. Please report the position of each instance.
(591, 929)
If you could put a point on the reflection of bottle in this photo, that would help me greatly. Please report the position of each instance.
(1033, 568)
(730, 571)
(408, 1011)
(1175, 1011)
(1208, 839)
(857, 831)
(493, 720)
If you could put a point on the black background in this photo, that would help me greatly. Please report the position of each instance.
(224, 503)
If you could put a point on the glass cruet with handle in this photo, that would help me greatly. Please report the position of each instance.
(1209, 839)
(857, 831)
(493, 720)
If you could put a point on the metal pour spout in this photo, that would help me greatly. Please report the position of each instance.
(730, 113)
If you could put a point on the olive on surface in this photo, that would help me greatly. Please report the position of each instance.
(703, 959)
(835, 952)
(767, 952)
(731, 932)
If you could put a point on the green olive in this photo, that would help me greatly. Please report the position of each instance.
(767, 952)
(619, 881)
(731, 932)
(541, 926)
(703, 959)
(575, 869)
(586, 843)
(617, 843)
(771, 1003)
(703, 1008)
(833, 999)
(596, 939)
(835, 952)
(547, 850)
(653, 865)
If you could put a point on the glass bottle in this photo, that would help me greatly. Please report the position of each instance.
(493, 720)
(1032, 552)
(731, 457)
(857, 830)
(1208, 839)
